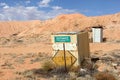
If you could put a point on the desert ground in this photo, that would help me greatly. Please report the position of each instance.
(26, 45)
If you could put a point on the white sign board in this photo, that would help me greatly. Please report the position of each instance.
(68, 46)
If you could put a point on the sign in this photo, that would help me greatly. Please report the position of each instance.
(60, 61)
(68, 46)
(62, 39)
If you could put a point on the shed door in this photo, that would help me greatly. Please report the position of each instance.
(97, 35)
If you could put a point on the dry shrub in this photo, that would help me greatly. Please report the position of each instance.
(87, 64)
(104, 76)
(75, 69)
(61, 70)
(48, 66)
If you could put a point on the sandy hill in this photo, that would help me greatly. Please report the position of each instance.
(14, 27)
(66, 22)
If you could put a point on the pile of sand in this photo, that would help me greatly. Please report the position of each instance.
(66, 22)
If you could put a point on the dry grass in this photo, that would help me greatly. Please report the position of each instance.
(48, 65)
(75, 69)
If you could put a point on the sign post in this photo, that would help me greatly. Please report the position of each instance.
(64, 57)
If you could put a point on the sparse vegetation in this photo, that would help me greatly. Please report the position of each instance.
(49, 71)
(104, 76)
(48, 66)
(75, 69)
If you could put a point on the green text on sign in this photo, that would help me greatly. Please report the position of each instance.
(62, 39)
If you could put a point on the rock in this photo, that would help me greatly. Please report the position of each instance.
(114, 64)
(83, 72)
(104, 67)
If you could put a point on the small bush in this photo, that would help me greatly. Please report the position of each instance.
(48, 66)
(61, 70)
(75, 69)
(104, 76)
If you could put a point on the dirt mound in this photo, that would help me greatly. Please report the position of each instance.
(15, 27)
(66, 22)
(70, 16)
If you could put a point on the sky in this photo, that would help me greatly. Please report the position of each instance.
(47, 9)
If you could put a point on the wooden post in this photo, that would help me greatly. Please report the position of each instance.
(64, 57)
